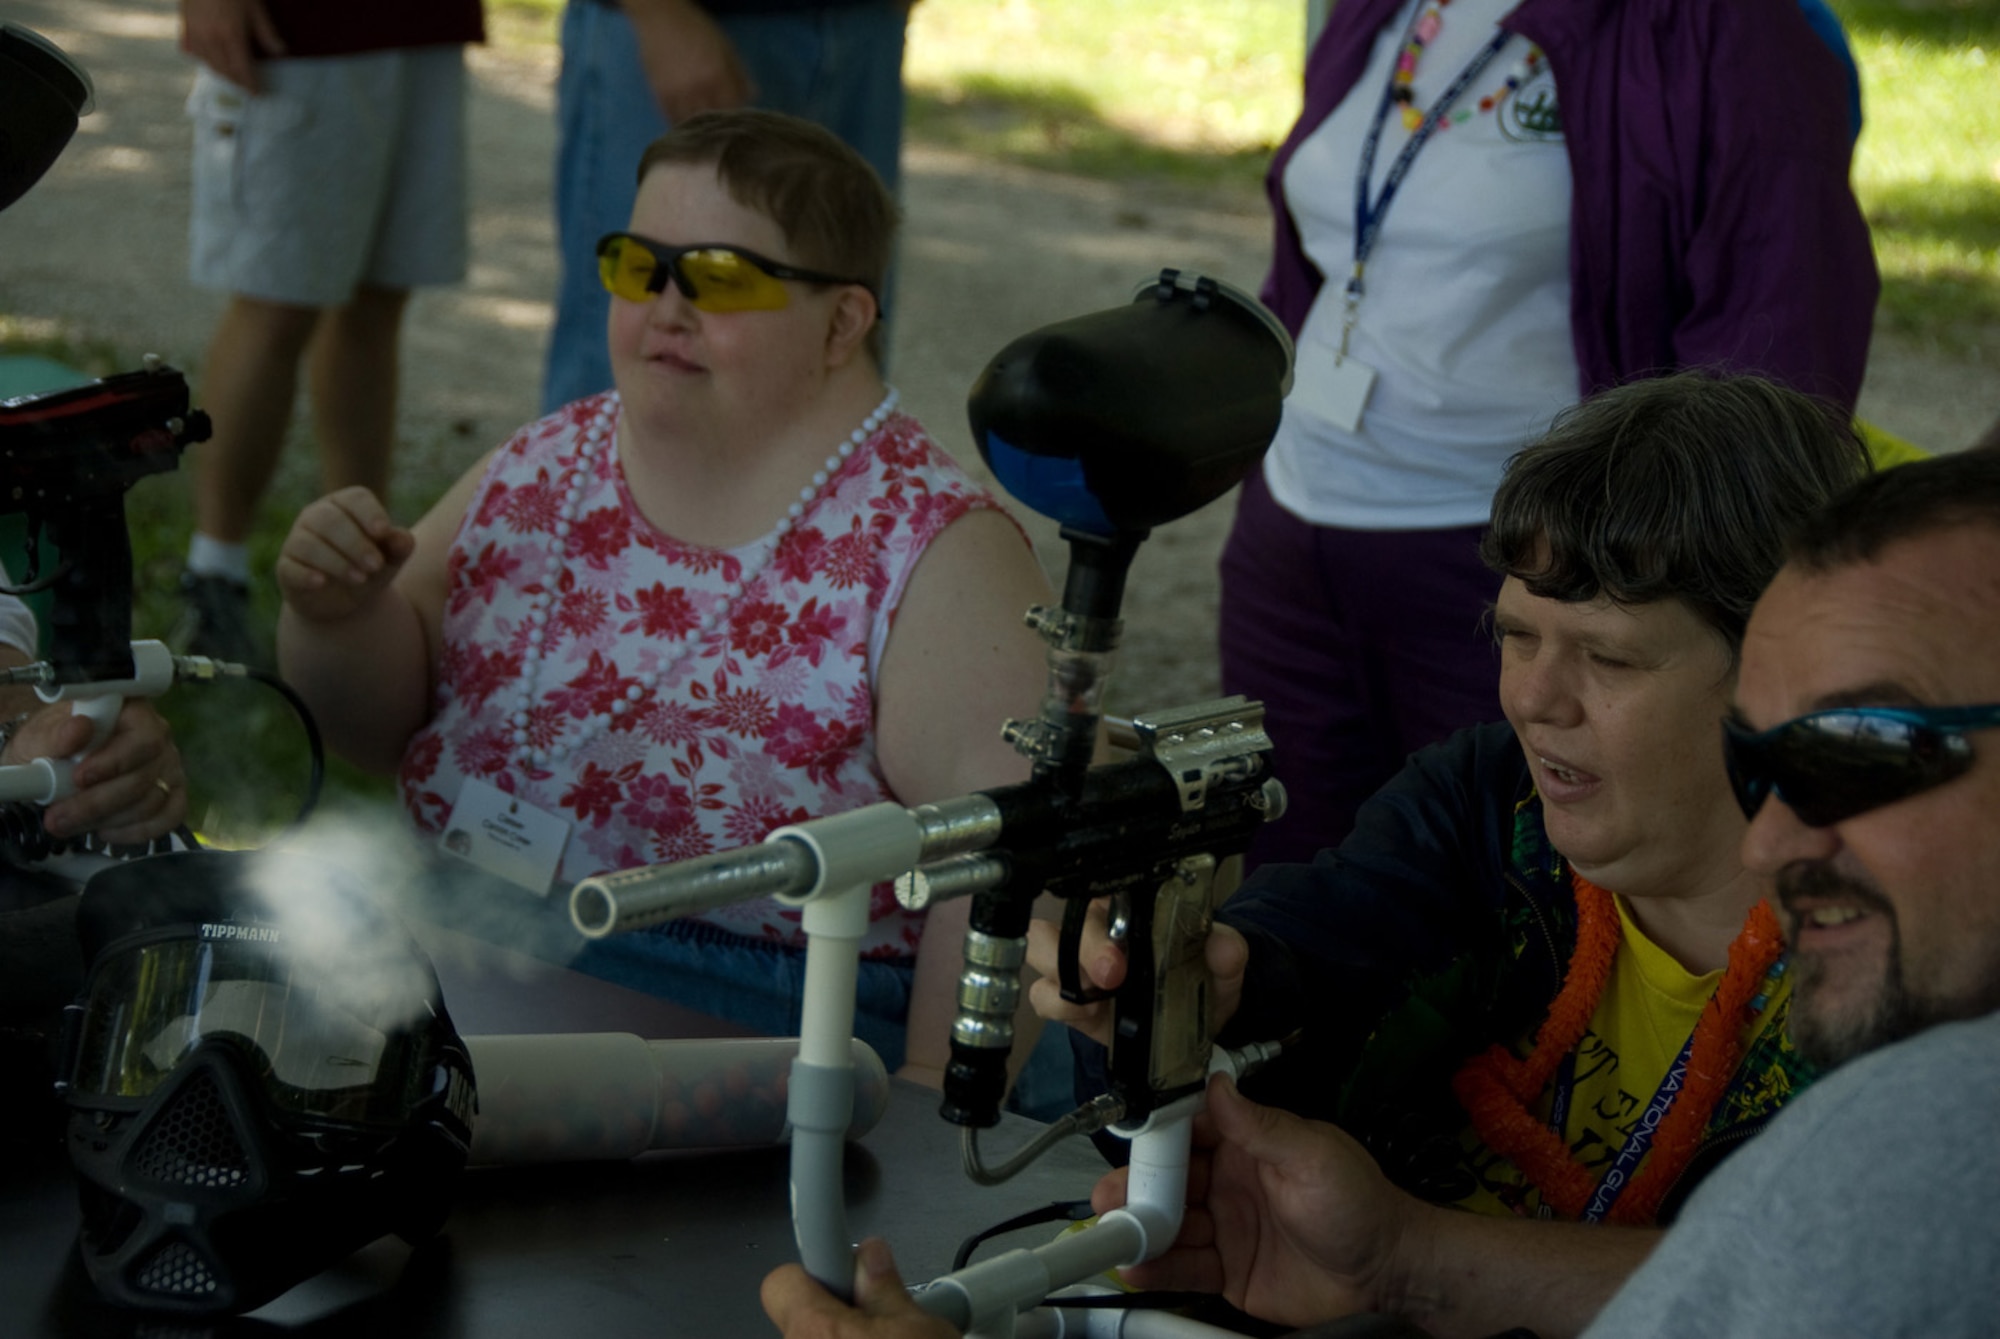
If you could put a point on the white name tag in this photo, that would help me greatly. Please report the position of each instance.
(505, 836)
(1334, 391)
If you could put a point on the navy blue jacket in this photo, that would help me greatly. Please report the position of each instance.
(1442, 925)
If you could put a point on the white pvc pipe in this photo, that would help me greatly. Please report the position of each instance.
(44, 780)
(985, 1299)
(854, 851)
(1156, 1187)
(833, 968)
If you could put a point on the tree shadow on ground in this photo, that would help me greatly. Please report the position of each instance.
(1949, 283)
(1056, 126)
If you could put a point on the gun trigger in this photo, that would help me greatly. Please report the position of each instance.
(1069, 965)
(1118, 923)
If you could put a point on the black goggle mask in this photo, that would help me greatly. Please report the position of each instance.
(1831, 765)
(258, 1085)
(712, 276)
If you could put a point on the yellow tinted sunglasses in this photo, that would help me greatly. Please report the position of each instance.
(714, 276)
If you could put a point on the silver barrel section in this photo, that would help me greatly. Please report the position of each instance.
(961, 876)
(632, 899)
(784, 866)
(989, 990)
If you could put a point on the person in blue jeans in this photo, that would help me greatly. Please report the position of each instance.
(631, 68)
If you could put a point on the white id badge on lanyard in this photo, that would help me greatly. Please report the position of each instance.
(1329, 385)
(506, 836)
(1336, 392)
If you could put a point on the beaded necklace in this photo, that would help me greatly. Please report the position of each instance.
(1495, 1088)
(1402, 83)
(596, 438)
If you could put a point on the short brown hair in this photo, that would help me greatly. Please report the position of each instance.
(1684, 486)
(836, 214)
(1912, 501)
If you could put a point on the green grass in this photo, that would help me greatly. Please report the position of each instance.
(1928, 165)
(1197, 92)
(1190, 92)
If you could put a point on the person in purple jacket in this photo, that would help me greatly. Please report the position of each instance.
(1487, 210)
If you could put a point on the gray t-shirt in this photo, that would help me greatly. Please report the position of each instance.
(1869, 1208)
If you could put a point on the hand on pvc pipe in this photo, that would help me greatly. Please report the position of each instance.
(130, 789)
(1288, 1219)
(882, 1309)
(1103, 964)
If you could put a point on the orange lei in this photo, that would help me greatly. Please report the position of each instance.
(1495, 1088)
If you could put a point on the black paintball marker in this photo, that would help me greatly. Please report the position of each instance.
(67, 459)
(1114, 423)
(1111, 424)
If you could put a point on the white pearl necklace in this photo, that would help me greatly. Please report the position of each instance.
(596, 438)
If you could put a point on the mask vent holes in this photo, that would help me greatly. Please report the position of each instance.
(192, 1142)
(177, 1270)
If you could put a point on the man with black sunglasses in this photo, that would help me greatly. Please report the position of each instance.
(1863, 750)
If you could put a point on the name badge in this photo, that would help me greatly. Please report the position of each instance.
(506, 836)
(1336, 392)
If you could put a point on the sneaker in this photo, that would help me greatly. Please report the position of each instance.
(215, 620)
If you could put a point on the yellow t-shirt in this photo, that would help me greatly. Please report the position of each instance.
(1650, 1007)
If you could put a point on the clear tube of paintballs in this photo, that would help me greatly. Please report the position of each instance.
(600, 1096)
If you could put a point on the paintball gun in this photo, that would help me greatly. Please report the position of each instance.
(1111, 423)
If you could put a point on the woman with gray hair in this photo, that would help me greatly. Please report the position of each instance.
(1536, 979)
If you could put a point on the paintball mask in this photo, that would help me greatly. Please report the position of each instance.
(261, 1079)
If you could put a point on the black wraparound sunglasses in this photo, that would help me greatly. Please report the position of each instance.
(1832, 765)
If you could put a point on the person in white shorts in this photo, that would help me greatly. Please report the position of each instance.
(329, 180)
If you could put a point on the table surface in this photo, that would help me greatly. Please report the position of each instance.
(673, 1243)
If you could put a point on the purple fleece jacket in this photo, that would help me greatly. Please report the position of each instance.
(1711, 222)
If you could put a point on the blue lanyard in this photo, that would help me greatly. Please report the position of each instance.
(1619, 1174)
(1368, 216)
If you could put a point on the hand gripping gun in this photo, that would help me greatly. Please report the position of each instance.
(1111, 423)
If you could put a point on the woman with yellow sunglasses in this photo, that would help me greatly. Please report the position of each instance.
(741, 590)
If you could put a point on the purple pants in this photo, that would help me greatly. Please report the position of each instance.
(1363, 645)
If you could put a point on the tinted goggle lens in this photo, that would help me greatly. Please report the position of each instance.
(1833, 765)
(316, 1041)
(713, 278)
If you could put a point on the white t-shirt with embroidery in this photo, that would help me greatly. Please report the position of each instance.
(769, 721)
(1465, 319)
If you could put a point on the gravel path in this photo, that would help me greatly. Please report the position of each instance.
(98, 252)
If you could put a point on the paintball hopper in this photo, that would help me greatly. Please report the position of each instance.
(42, 93)
(1128, 418)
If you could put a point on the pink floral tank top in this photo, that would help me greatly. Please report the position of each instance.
(669, 700)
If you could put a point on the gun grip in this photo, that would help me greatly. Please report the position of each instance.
(1069, 965)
